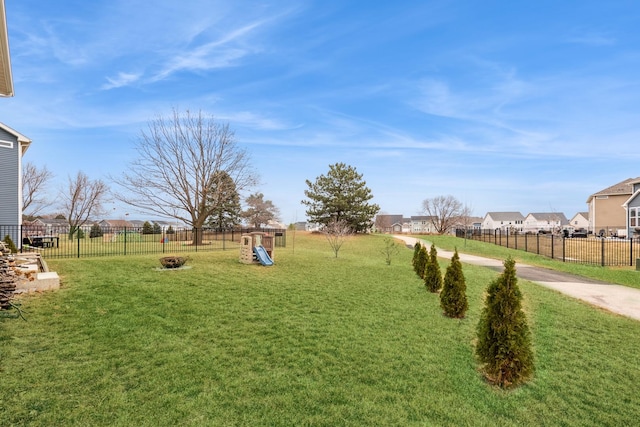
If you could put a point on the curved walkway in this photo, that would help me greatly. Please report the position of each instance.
(615, 298)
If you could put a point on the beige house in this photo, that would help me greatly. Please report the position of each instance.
(607, 214)
(580, 221)
(550, 222)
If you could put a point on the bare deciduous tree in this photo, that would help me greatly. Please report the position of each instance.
(444, 212)
(337, 231)
(82, 200)
(34, 182)
(179, 158)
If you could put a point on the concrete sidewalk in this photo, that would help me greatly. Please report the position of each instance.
(615, 298)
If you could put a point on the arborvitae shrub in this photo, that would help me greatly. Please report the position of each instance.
(416, 252)
(453, 298)
(421, 263)
(504, 339)
(432, 274)
(9, 242)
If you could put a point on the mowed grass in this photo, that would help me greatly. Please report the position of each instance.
(627, 276)
(313, 340)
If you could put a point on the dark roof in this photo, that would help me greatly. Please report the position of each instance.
(620, 189)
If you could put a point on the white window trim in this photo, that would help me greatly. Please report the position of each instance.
(6, 144)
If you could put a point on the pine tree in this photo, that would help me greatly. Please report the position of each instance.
(504, 339)
(453, 298)
(432, 274)
(147, 228)
(96, 231)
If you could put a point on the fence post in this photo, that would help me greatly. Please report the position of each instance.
(78, 231)
(552, 247)
(564, 240)
(224, 241)
(631, 251)
(538, 243)
(602, 253)
(125, 240)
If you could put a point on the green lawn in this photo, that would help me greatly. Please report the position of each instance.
(313, 340)
(627, 276)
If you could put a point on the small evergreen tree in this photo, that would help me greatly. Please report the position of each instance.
(170, 230)
(416, 253)
(96, 231)
(390, 249)
(147, 228)
(9, 242)
(421, 263)
(432, 274)
(156, 228)
(504, 340)
(453, 298)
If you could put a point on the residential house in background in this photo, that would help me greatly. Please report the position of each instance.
(504, 221)
(607, 213)
(112, 225)
(632, 208)
(421, 225)
(385, 223)
(46, 227)
(580, 221)
(549, 222)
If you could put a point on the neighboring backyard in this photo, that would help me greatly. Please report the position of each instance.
(313, 340)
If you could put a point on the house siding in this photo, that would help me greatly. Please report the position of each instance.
(607, 213)
(10, 180)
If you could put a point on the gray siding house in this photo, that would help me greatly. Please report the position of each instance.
(632, 206)
(13, 145)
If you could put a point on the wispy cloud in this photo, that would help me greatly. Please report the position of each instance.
(122, 79)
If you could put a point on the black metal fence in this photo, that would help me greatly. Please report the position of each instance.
(581, 250)
(64, 242)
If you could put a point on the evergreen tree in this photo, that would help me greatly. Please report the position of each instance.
(504, 340)
(260, 211)
(10, 245)
(453, 298)
(416, 254)
(421, 264)
(341, 195)
(224, 201)
(432, 274)
(96, 231)
(156, 228)
(147, 228)
(170, 230)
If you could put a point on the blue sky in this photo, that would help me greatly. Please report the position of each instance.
(508, 106)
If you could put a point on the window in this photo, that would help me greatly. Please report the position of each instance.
(6, 144)
(634, 217)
